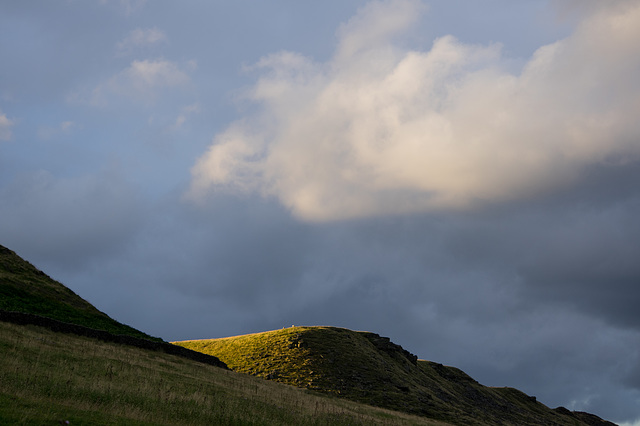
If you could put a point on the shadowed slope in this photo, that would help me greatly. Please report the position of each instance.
(24, 288)
(367, 368)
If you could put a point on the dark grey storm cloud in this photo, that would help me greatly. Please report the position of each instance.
(69, 221)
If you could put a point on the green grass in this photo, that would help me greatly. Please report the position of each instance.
(366, 368)
(48, 377)
(24, 288)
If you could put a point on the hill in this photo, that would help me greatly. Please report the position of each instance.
(49, 378)
(55, 368)
(26, 289)
(367, 368)
(103, 372)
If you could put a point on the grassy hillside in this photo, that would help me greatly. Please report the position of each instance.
(24, 288)
(50, 378)
(367, 368)
(93, 377)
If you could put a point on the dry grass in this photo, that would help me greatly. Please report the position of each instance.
(48, 377)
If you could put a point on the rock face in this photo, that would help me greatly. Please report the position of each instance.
(384, 344)
(368, 368)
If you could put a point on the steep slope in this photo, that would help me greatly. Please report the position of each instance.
(26, 289)
(367, 368)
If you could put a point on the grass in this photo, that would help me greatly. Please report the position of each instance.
(48, 377)
(367, 368)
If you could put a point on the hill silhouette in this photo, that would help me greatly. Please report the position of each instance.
(368, 368)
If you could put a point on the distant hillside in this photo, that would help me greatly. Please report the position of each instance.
(24, 288)
(367, 368)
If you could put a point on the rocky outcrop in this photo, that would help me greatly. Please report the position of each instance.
(385, 344)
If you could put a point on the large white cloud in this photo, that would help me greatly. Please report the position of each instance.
(379, 129)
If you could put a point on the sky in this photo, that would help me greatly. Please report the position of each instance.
(459, 176)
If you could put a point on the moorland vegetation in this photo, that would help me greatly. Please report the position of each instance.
(368, 368)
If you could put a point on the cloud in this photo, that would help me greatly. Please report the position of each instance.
(128, 6)
(380, 129)
(183, 116)
(63, 128)
(157, 73)
(5, 127)
(374, 25)
(69, 220)
(142, 81)
(590, 264)
(140, 38)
